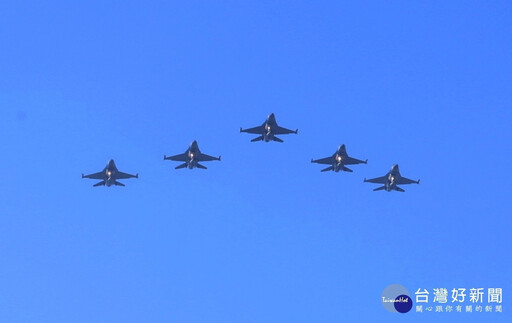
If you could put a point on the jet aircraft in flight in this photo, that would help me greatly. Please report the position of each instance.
(268, 130)
(391, 180)
(109, 175)
(191, 157)
(338, 161)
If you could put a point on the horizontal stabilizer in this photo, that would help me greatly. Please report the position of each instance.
(102, 183)
(200, 166)
(116, 183)
(347, 169)
(257, 139)
(327, 169)
(399, 189)
(277, 139)
(181, 166)
(380, 188)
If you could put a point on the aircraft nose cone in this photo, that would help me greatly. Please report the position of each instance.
(194, 146)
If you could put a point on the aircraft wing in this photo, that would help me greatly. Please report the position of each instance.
(380, 180)
(205, 157)
(121, 175)
(352, 161)
(256, 130)
(181, 157)
(326, 160)
(403, 180)
(283, 131)
(99, 175)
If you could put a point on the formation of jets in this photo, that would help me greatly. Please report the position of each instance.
(267, 132)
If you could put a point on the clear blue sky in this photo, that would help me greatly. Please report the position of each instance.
(261, 236)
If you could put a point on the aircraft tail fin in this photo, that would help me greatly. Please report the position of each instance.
(181, 166)
(200, 166)
(383, 187)
(102, 183)
(116, 183)
(347, 169)
(327, 169)
(257, 139)
(399, 189)
(277, 139)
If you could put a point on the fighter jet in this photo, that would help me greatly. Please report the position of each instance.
(192, 156)
(268, 130)
(390, 180)
(339, 160)
(109, 175)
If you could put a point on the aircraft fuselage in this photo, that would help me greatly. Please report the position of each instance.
(193, 153)
(268, 135)
(110, 174)
(109, 182)
(270, 123)
(338, 162)
(393, 174)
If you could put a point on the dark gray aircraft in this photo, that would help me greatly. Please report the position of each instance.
(390, 180)
(192, 156)
(109, 175)
(339, 160)
(268, 130)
